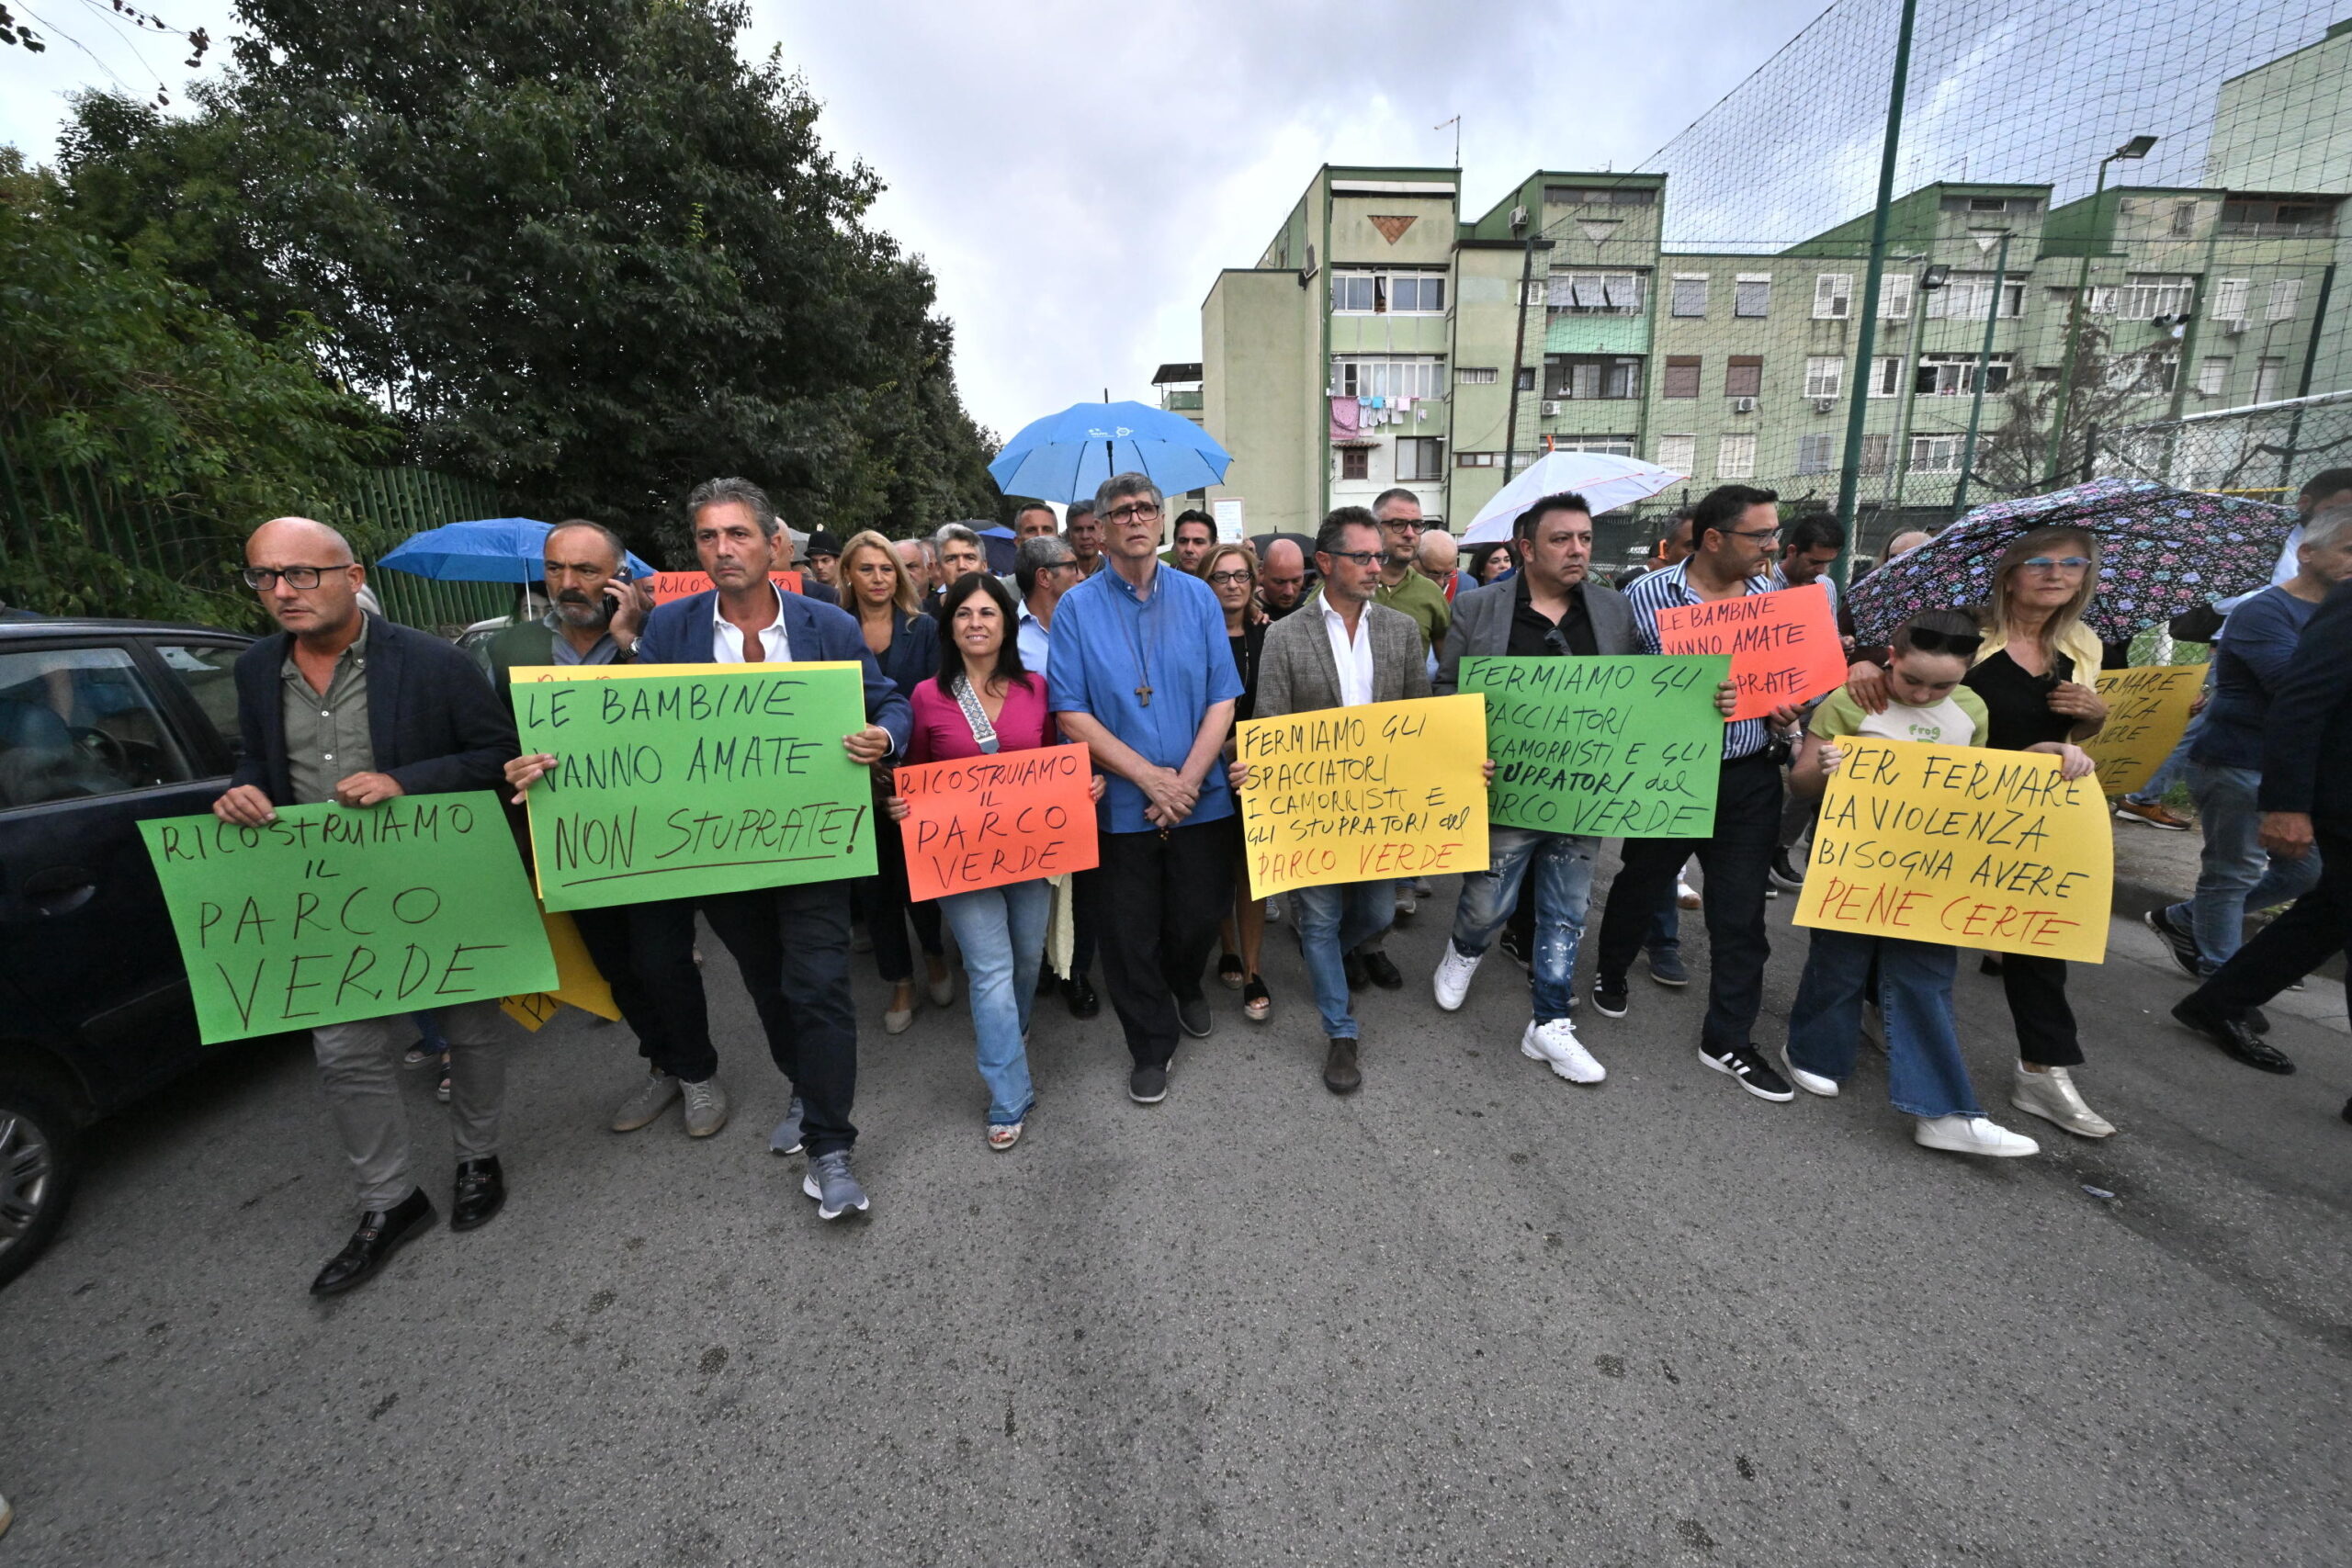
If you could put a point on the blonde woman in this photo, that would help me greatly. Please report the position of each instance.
(876, 589)
(2035, 674)
(1231, 571)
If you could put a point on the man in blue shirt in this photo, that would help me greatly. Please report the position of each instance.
(1140, 673)
(2256, 653)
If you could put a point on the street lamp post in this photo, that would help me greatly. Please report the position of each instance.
(1983, 369)
(2136, 148)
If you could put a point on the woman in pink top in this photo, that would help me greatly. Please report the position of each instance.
(983, 703)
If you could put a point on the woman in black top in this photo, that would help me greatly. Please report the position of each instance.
(1232, 574)
(2034, 674)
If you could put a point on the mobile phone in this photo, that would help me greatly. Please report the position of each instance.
(608, 604)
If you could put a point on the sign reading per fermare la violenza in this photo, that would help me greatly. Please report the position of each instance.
(333, 913)
(2148, 712)
(676, 780)
(1360, 794)
(1962, 845)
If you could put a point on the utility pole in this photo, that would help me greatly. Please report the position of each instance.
(1849, 472)
(1983, 369)
(2135, 148)
(1519, 347)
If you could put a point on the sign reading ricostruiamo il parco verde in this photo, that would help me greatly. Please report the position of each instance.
(673, 781)
(333, 913)
(1962, 845)
(2147, 713)
(1360, 794)
(994, 820)
(1621, 746)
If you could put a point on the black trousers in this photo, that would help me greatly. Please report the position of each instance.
(791, 945)
(1159, 898)
(888, 908)
(2036, 987)
(610, 936)
(2315, 928)
(1736, 859)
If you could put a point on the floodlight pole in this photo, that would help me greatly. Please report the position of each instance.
(1858, 406)
(2135, 148)
(1983, 369)
(1519, 351)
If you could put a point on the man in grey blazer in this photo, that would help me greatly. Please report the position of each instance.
(1339, 650)
(1550, 608)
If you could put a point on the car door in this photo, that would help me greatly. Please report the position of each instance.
(92, 741)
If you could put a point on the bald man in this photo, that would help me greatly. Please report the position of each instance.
(342, 705)
(1904, 544)
(1282, 580)
(1437, 558)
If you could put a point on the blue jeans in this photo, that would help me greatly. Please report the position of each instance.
(1331, 921)
(1925, 1075)
(1001, 932)
(2176, 763)
(1562, 863)
(2237, 875)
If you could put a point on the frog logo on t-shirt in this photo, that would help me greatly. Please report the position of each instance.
(1928, 732)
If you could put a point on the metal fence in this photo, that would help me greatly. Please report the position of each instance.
(2264, 450)
(401, 501)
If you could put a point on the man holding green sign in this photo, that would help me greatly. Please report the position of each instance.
(372, 730)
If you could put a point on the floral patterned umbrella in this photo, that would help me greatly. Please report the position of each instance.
(2161, 551)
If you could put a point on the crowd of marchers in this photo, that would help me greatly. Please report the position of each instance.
(1146, 645)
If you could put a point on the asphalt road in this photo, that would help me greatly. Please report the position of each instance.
(1474, 1316)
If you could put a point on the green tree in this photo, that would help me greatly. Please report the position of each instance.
(578, 247)
(144, 430)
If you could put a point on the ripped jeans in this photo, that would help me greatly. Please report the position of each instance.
(1563, 870)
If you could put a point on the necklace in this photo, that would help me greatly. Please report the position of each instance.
(1143, 666)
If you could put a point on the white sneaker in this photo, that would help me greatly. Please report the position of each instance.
(1556, 1043)
(1971, 1135)
(1454, 973)
(1811, 1083)
(1686, 896)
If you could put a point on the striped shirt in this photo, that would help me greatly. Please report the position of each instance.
(1667, 586)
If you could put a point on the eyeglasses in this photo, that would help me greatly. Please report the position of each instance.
(1963, 644)
(1141, 512)
(265, 578)
(1228, 579)
(1361, 558)
(2056, 563)
(1748, 534)
(1070, 565)
(1415, 524)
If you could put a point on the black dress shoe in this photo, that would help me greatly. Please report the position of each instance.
(1380, 972)
(2231, 1035)
(1351, 965)
(481, 1192)
(1080, 993)
(380, 1231)
(2257, 1020)
(1342, 1074)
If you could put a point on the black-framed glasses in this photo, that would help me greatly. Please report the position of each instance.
(1361, 558)
(1066, 564)
(265, 578)
(1141, 512)
(1415, 524)
(1961, 644)
(1228, 579)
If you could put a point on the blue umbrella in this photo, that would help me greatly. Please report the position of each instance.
(494, 549)
(1064, 457)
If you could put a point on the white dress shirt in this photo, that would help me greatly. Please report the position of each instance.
(1353, 656)
(727, 640)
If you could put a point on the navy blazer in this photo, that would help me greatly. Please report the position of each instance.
(912, 656)
(433, 720)
(681, 632)
(2307, 734)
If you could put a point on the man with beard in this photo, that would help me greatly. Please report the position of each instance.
(594, 612)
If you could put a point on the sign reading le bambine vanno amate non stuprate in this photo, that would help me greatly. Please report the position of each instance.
(672, 781)
(333, 913)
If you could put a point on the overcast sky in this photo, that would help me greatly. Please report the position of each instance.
(1076, 173)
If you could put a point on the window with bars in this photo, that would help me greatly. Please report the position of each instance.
(1735, 457)
(1682, 376)
(2230, 297)
(1951, 375)
(1420, 457)
(1367, 375)
(1596, 293)
(1875, 450)
(1679, 453)
(2286, 293)
(1591, 375)
(1815, 454)
(1743, 376)
(1825, 376)
(1832, 296)
(1752, 294)
(1966, 296)
(1486, 375)
(1690, 294)
(1886, 376)
(1935, 454)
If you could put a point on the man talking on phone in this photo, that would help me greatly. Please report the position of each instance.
(594, 610)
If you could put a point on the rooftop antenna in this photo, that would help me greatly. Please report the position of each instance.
(1456, 123)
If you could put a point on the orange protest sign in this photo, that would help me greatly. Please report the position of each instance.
(669, 585)
(1783, 645)
(991, 821)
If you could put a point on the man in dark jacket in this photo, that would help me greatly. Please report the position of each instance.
(343, 706)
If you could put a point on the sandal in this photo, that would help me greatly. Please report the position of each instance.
(1229, 970)
(1003, 1136)
(1257, 1002)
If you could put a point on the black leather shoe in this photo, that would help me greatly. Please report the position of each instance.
(1351, 965)
(2233, 1035)
(1380, 972)
(380, 1231)
(1080, 993)
(2257, 1020)
(1341, 1072)
(481, 1192)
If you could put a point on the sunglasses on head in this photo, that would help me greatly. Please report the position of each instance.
(1963, 644)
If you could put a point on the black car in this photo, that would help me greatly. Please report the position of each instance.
(102, 724)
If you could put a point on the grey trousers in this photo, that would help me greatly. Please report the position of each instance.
(358, 1071)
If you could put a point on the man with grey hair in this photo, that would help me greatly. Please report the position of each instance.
(1084, 529)
(960, 552)
(1141, 676)
(915, 555)
(1043, 569)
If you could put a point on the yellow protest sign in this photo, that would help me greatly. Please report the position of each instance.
(2147, 709)
(1962, 845)
(1359, 794)
(577, 979)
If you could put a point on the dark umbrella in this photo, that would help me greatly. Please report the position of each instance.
(2161, 551)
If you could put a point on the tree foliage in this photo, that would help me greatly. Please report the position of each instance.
(2110, 388)
(578, 247)
(146, 431)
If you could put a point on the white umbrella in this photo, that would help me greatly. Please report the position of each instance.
(1605, 480)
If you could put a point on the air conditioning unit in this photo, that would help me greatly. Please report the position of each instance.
(1823, 405)
(1519, 217)
(1550, 411)
(1743, 405)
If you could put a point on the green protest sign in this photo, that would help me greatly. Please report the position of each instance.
(1620, 746)
(333, 913)
(673, 785)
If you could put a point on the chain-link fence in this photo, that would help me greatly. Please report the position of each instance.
(2267, 451)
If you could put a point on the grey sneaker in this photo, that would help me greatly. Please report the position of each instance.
(652, 1098)
(836, 1190)
(1194, 1017)
(786, 1139)
(705, 1108)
